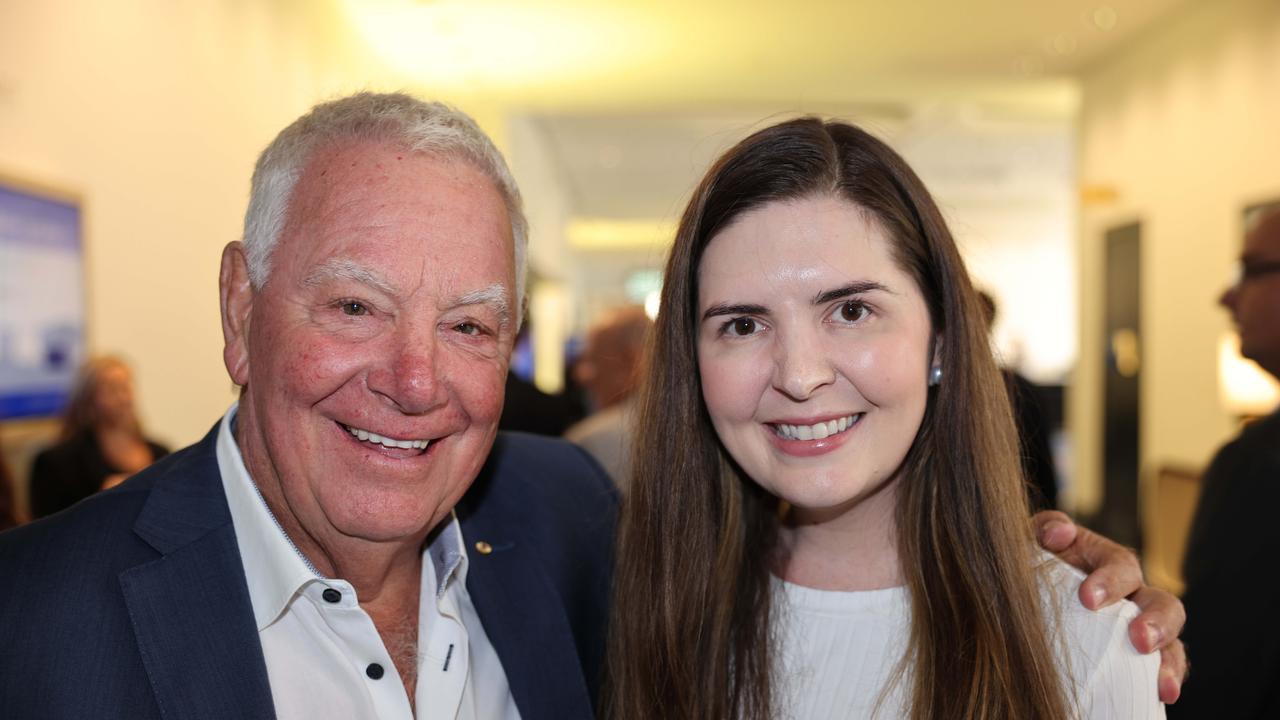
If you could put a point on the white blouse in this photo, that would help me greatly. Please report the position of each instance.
(838, 650)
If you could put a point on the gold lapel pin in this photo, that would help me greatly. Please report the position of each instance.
(483, 547)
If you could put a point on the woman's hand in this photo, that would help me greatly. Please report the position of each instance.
(1114, 574)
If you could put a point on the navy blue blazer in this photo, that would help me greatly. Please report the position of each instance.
(133, 603)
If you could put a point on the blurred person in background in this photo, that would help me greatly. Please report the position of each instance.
(101, 442)
(1033, 425)
(529, 409)
(1235, 650)
(609, 371)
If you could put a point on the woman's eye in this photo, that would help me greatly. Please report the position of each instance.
(741, 326)
(852, 311)
(351, 307)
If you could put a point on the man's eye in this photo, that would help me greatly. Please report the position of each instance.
(852, 311)
(351, 307)
(468, 328)
(741, 326)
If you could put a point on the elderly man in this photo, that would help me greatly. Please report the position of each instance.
(313, 556)
(353, 539)
(1235, 649)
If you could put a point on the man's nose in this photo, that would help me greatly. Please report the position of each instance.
(410, 376)
(1228, 298)
(801, 365)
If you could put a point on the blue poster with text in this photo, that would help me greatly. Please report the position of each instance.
(41, 302)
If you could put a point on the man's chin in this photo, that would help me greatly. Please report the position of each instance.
(388, 514)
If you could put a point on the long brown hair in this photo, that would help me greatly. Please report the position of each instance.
(692, 615)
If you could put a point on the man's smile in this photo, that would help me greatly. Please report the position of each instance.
(386, 442)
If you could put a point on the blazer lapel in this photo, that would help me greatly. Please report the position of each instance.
(190, 607)
(525, 621)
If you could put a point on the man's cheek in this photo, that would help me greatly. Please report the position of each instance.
(483, 393)
(315, 370)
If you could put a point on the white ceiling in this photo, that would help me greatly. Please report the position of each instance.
(631, 136)
(558, 55)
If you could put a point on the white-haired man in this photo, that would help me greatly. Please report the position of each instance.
(353, 539)
(314, 556)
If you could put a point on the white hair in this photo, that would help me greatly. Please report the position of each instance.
(432, 128)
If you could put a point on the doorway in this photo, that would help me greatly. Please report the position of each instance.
(1122, 385)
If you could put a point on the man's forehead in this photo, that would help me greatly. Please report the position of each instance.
(1264, 239)
(333, 170)
(381, 214)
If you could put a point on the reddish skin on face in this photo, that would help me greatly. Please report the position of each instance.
(786, 347)
(389, 308)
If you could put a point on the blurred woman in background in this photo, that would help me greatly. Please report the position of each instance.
(826, 517)
(101, 442)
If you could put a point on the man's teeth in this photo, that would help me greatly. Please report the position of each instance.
(387, 442)
(817, 431)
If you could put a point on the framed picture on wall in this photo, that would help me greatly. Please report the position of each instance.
(42, 298)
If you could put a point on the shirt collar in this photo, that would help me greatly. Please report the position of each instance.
(447, 554)
(274, 567)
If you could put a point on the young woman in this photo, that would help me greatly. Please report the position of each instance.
(827, 517)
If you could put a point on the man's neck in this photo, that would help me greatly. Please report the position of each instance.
(387, 578)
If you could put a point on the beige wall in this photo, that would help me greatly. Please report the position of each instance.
(1182, 127)
(153, 112)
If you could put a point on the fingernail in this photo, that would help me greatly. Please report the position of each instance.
(1170, 688)
(1154, 636)
(1097, 595)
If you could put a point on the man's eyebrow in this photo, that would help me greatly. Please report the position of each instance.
(853, 288)
(343, 269)
(725, 309)
(495, 296)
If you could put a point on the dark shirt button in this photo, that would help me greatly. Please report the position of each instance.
(374, 671)
(331, 595)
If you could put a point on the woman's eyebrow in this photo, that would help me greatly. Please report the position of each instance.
(853, 288)
(722, 309)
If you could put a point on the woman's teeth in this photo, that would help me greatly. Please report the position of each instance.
(817, 431)
(387, 442)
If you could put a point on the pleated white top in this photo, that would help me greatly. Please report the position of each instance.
(838, 650)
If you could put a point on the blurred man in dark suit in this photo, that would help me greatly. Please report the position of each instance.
(1234, 648)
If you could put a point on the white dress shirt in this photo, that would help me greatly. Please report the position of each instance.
(325, 658)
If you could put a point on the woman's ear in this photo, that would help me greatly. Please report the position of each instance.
(236, 296)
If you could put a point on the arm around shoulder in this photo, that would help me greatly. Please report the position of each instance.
(1122, 683)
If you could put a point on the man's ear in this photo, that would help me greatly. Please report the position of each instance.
(236, 296)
